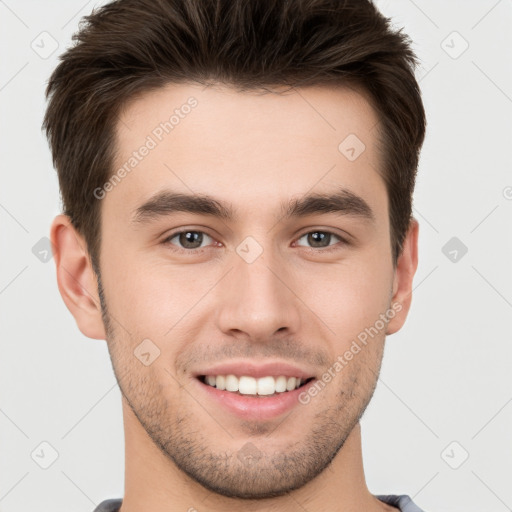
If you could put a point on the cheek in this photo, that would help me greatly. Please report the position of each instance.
(349, 298)
(150, 298)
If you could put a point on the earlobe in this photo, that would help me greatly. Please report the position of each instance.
(76, 278)
(404, 274)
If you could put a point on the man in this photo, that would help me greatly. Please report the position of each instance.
(237, 180)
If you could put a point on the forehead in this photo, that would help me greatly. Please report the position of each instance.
(249, 147)
(315, 112)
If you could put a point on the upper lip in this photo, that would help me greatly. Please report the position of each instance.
(256, 370)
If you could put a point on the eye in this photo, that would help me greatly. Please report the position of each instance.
(321, 239)
(193, 240)
(189, 240)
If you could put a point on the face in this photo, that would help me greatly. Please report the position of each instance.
(267, 278)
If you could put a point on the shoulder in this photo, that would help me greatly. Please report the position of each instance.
(403, 502)
(109, 506)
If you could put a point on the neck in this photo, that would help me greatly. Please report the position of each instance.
(154, 483)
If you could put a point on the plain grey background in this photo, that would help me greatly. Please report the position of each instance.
(439, 426)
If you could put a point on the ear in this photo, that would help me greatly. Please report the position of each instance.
(76, 278)
(402, 282)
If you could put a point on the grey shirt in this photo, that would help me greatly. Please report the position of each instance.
(403, 503)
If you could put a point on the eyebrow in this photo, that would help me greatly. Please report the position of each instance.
(167, 202)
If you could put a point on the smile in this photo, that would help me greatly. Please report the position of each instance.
(247, 385)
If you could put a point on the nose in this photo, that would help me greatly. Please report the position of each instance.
(258, 300)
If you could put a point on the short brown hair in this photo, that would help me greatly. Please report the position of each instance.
(128, 47)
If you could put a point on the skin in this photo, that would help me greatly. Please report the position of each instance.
(293, 303)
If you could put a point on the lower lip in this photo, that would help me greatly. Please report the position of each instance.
(255, 407)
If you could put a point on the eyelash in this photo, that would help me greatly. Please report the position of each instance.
(329, 248)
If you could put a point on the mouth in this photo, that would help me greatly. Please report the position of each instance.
(260, 397)
(246, 385)
(253, 390)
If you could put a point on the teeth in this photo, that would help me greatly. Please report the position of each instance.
(266, 385)
(220, 381)
(231, 383)
(291, 383)
(281, 384)
(246, 385)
